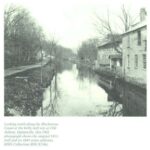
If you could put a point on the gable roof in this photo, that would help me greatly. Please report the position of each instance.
(107, 42)
(136, 27)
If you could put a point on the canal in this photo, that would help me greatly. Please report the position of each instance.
(76, 92)
(71, 90)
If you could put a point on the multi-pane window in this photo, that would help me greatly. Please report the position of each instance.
(136, 61)
(144, 61)
(139, 37)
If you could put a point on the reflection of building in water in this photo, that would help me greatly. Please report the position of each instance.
(134, 101)
(133, 98)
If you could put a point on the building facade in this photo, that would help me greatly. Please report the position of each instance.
(116, 62)
(134, 51)
(108, 56)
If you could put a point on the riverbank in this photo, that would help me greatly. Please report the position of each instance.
(19, 69)
(130, 94)
(24, 91)
(118, 75)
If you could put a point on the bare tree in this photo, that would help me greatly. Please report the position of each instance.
(105, 26)
(105, 30)
(126, 18)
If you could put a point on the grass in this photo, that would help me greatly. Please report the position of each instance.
(23, 96)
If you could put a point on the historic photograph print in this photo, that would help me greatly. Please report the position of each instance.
(75, 58)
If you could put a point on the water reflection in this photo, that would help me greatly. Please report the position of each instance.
(51, 96)
(75, 92)
(132, 97)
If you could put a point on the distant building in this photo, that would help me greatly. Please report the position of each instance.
(134, 50)
(109, 54)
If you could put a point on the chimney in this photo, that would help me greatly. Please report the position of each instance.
(143, 14)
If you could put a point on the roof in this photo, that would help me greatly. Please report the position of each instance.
(104, 62)
(115, 56)
(109, 42)
(136, 27)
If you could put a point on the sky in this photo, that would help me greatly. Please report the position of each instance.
(72, 21)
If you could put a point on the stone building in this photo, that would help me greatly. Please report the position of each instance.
(116, 62)
(108, 56)
(134, 50)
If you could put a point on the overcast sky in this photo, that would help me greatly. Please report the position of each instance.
(71, 21)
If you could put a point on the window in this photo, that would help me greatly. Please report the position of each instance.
(144, 61)
(139, 37)
(128, 41)
(128, 61)
(136, 61)
(145, 45)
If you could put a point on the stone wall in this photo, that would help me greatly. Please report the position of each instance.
(130, 49)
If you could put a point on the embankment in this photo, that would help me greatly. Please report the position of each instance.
(24, 91)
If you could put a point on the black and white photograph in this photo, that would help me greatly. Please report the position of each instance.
(76, 58)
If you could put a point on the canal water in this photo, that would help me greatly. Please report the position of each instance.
(76, 92)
